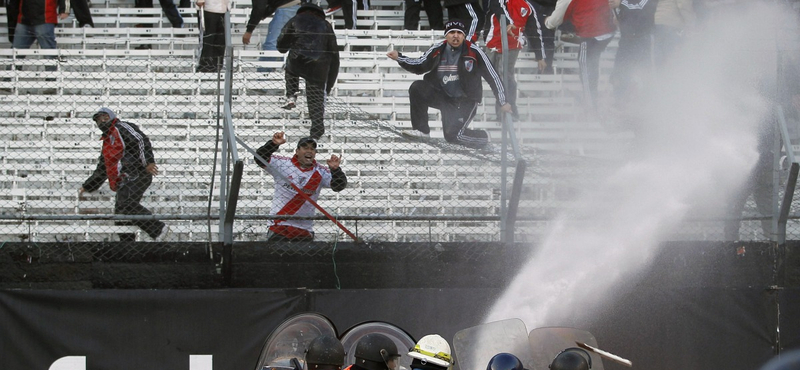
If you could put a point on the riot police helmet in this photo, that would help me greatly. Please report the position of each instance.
(374, 351)
(572, 359)
(325, 352)
(504, 361)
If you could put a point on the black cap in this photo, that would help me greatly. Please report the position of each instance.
(305, 140)
(455, 25)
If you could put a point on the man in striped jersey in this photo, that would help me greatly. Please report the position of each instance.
(452, 83)
(127, 161)
(300, 171)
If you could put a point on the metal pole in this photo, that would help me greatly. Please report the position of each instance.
(503, 131)
(791, 181)
(230, 154)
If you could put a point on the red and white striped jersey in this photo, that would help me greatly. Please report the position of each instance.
(286, 201)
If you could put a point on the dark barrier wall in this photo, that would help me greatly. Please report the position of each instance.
(669, 329)
(699, 306)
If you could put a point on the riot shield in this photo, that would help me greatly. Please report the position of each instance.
(401, 339)
(285, 347)
(475, 346)
(546, 343)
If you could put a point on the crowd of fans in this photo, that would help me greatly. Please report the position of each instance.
(649, 31)
(478, 39)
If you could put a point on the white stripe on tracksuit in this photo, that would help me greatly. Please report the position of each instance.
(139, 140)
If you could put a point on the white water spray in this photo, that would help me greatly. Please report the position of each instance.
(699, 144)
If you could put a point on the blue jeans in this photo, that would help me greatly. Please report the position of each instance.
(45, 34)
(279, 19)
(25, 35)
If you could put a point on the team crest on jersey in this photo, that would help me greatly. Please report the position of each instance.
(523, 11)
(468, 64)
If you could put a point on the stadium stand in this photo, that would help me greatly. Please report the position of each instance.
(49, 145)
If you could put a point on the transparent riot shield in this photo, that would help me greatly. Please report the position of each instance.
(285, 347)
(546, 343)
(475, 346)
(401, 339)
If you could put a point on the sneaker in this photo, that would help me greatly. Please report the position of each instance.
(289, 102)
(332, 10)
(166, 231)
(414, 134)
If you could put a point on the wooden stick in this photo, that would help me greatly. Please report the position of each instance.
(605, 354)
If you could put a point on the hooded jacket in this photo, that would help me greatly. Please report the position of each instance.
(472, 65)
(126, 153)
(312, 47)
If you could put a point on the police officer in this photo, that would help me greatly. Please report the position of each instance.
(572, 359)
(325, 352)
(375, 351)
(432, 352)
(504, 361)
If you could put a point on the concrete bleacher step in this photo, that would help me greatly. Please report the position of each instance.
(49, 144)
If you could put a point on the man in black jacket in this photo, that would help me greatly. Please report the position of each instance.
(314, 56)
(452, 83)
(127, 162)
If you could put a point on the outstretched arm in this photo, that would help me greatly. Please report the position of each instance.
(338, 178)
(266, 150)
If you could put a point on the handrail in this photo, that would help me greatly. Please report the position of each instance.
(509, 206)
(791, 181)
(229, 147)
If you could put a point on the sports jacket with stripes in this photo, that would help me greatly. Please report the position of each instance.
(517, 13)
(126, 152)
(472, 65)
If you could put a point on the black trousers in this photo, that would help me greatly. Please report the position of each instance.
(169, 8)
(433, 8)
(349, 9)
(456, 114)
(278, 238)
(82, 13)
(213, 42)
(129, 196)
(632, 66)
(315, 99)
(589, 62)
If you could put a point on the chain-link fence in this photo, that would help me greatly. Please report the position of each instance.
(410, 188)
(399, 188)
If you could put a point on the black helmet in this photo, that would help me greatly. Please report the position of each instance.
(571, 359)
(504, 361)
(325, 350)
(374, 350)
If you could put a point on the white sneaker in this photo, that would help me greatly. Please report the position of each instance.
(416, 134)
(289, 102)
(166, 231)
